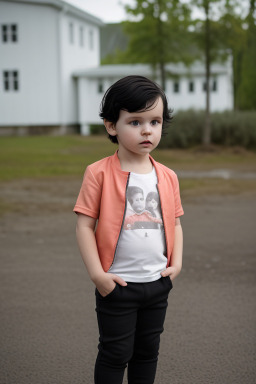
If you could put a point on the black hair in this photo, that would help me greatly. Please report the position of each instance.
(132, 94)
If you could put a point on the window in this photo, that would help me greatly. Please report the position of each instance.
(91, 39)
(100, 86)
(11, 80)
(4, 33)
(15, 80)
(9, 33)
(6, 80)
(81, 36)
(14, 33)
(71, 33)
(176, 87)
(191, 86)
(214, 85)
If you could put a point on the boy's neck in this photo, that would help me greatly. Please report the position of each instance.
(137, 164)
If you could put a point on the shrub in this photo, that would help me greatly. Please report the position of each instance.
(97, 129)
(230, 128)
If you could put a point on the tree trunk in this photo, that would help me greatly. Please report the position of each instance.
(162, 75)
(161, 53)
(207, 123)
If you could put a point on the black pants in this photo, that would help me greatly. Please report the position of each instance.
(130, 321)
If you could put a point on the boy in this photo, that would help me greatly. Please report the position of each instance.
(131, 270)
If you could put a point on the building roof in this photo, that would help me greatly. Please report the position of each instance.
(115, 70)
(120, 70)
(64, 6)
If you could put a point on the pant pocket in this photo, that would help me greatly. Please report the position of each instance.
(109, 295)
(169, 282)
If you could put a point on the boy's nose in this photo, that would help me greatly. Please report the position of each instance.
(146, 129)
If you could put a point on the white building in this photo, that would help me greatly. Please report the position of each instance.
(50, 73)
(185, 87)
(42, 43)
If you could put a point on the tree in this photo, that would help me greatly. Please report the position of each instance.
(163, 32)
(207, 39)
(160, 34)
(233, 36)
(237, 32)
(247, 85)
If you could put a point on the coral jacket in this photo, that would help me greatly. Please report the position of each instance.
(103, 197)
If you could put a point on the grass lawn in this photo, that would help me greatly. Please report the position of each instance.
(45, 156)
(65, 157)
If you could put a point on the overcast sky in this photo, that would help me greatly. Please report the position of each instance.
(112, 11)
(109, 11)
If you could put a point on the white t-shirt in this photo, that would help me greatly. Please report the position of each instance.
(141, 250)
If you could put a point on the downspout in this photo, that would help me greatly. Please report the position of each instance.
(60, 69)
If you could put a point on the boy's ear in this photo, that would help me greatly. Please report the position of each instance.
(110, 127)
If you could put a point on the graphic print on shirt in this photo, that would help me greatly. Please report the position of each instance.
(141, 249)
(142, 212)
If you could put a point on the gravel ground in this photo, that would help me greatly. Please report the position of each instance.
(48, 330)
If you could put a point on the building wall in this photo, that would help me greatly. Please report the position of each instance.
(34, 56)
(89, 101)
(45, 57)
(220, 95)
(76, 54)
(91, 91)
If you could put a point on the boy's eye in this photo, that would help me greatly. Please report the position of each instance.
(135, 123)
(154, 122)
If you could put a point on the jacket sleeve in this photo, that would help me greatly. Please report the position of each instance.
(88, 201)
(178, 207)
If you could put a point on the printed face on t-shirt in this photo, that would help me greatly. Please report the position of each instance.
(138, 202)
(152, 204)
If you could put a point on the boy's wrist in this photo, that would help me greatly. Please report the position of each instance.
(99, 276)
(177, 270)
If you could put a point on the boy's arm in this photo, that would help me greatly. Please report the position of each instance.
(105, 282)
(176, 260)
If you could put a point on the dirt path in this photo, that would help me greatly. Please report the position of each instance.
(48, 332)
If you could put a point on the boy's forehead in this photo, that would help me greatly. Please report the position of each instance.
(156, 109)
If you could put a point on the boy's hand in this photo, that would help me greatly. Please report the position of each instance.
(106, 283)
(172, 272)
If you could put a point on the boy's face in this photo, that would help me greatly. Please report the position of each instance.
(138, 133)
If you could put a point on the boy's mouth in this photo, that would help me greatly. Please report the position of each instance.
(146, 142)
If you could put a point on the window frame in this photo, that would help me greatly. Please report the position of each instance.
(214, 87)
(81, 36)
(71, 32)
(11, 80)
(100, 86)
(91, 39)
(191, 86)
(176, 86)
(9, 33)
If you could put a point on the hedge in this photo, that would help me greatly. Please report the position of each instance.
(229, 128)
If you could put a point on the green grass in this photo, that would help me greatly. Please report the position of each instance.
(45, 156)
(28, 164)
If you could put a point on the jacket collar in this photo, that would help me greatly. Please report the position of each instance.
(116, 164)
